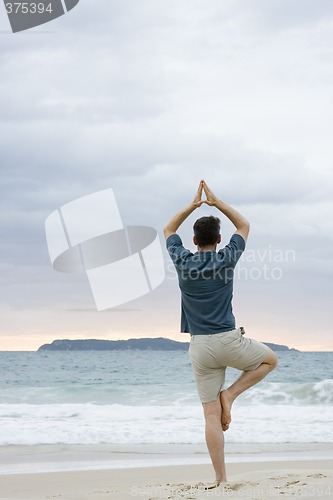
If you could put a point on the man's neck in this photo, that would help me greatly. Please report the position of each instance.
(207, 248)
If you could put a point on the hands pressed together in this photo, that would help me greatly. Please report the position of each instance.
(241, 224)
(210, 200)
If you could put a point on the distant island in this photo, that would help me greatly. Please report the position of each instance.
(146, 344)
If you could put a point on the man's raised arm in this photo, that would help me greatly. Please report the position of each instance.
(242, 225)
(172, 226)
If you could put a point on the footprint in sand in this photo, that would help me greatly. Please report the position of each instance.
(239, 486)
(278, 478)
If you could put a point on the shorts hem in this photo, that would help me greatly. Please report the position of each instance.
(209, 400)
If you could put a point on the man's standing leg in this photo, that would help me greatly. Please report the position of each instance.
(215, 438)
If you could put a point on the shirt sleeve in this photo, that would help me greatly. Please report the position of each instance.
(176, 250)
(233, 251)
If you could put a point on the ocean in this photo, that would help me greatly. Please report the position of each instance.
(150, 397)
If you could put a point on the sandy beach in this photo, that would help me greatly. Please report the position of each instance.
(305, 472)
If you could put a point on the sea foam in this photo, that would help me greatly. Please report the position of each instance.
(97, 424)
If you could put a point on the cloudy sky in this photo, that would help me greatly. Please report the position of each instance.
(147, 97)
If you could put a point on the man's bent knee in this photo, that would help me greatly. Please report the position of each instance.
(271, 359)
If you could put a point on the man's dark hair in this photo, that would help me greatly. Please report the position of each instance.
(206, 230)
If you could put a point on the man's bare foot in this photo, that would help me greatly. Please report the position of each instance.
(226, 410)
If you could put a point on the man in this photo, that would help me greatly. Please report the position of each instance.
(206, 284)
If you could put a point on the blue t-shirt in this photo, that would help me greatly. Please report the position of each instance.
(206, 284)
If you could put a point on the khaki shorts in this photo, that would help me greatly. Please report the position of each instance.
(211, 354)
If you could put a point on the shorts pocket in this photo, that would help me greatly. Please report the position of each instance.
(228, 338)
